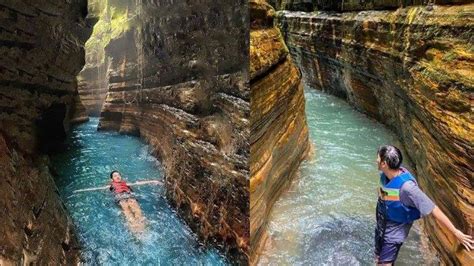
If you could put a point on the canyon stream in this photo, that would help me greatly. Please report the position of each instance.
(327, 216)
(89, 157)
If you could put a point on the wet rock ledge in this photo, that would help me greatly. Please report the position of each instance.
(279, 138)
(41, 47)
(178, 79)
(411, 69)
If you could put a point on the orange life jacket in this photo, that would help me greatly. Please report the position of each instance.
(119, 187)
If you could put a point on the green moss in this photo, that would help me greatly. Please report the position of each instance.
(113, 21)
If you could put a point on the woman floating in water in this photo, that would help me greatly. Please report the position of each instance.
(126, 199)
(124, 196)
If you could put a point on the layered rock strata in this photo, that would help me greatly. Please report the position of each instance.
(182, 86)
(411, 69)
(279, 138)
(41, 43)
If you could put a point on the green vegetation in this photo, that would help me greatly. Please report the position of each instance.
(112, 22)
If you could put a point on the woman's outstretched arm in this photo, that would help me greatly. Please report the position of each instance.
(138, 183)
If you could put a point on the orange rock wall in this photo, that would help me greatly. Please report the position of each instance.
(279, 138)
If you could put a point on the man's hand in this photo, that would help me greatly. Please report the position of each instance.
(465, 240)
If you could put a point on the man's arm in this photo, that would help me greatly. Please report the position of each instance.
(412, 195)
(465, 240)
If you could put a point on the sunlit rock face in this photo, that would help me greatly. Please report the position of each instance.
(279, 138)
(114, 17)
(42, 52)
(92, 87)
(178, 78)
(411, 69)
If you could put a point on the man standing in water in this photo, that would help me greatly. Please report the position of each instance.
(400, 203)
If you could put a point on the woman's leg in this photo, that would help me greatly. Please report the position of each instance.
(136, 225)
(137, 211)
(126, 211)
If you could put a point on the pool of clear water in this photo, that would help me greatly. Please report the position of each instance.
(327, 217)
(106, 240)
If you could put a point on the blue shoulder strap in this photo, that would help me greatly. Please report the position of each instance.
(398, 181)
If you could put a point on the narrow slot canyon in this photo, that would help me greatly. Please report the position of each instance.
(405, 64)
(327, 214)
(162, 71)
(104, 236)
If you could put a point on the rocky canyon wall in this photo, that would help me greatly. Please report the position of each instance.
(353, 5)
(279, 138)
(411, 69)
(179, 79)
(41, 43)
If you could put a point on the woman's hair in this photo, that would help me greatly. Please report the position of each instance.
(112, 173)
(391, 155)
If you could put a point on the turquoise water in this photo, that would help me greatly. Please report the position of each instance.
(328, 215)
(101, 226)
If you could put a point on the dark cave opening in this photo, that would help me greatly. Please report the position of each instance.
(51, 130)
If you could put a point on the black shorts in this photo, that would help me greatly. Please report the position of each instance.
(389, 252)
(124, 195)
